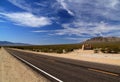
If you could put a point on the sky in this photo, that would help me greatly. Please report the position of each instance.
(58, 21)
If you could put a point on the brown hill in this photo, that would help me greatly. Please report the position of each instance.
(104, 39)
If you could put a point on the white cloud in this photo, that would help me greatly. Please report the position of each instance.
(40, 31)
(42, 7)
(76, 39)
(106, 8)
(21, 4)
(64, 5)
(88, 14)
(109, 9)
(40, 4)
(110, 3)
(27, 19)
(89, 29)
(116, 34)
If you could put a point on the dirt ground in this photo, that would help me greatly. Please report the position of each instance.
(12, 70)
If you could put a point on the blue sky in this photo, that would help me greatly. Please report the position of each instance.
(58, 21)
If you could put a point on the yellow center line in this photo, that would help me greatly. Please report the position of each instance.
(109, 73)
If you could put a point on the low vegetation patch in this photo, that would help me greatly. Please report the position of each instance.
(51, 48)
(105, 47)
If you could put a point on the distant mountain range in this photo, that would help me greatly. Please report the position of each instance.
(92, 40)
(7, 43)
(103, 39)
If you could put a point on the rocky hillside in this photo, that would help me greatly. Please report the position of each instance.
(104, 39)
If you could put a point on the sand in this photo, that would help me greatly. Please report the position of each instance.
(12, 70)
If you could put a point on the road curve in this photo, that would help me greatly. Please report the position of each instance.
(67, 70)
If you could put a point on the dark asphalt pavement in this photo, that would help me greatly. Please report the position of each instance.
(69, 70)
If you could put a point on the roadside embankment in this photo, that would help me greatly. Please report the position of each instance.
(12, 70)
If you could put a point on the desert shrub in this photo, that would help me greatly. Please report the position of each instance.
(110, 50)
(96, 50)
(106, 47)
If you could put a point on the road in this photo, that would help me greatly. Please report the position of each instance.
(67, 70)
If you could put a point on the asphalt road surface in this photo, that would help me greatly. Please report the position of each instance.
(68, 70)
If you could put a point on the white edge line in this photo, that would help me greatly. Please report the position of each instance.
(39, 69)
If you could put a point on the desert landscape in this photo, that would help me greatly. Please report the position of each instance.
(90, 54)
(59, 40)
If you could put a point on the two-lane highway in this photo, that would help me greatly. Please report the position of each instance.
(67, 70)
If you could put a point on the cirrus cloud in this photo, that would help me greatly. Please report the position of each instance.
(84, 29)
(90, 18)
(27, 19)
